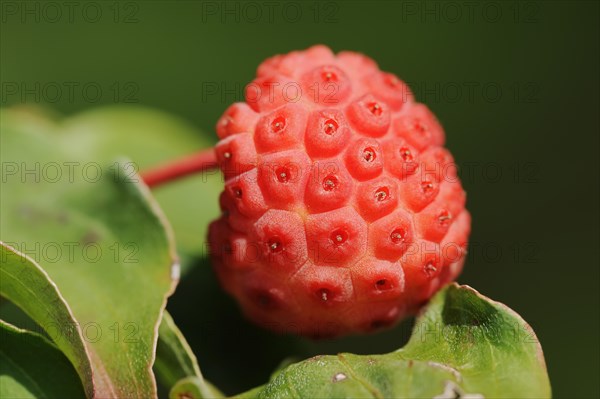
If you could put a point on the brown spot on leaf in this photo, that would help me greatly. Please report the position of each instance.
(91, 237)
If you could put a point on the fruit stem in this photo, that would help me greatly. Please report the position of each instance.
(197, 163)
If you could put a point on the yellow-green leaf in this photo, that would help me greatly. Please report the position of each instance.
(28, 286)
(102, 239)
(464, 345)
(175, 361)
(32, 367)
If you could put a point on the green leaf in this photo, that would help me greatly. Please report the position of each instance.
(174, 358)
(175, 361)
(463, 345)
(148, 137)
(494, 349)
(194, 388)
(28, 286)
(104, 242)
(32, 367)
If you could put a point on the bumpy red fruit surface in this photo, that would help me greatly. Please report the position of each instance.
(342, 211)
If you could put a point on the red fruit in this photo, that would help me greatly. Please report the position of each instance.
(282, 178)
(281, 129)
(236, 154)
(329, 186)
(402, 159)
(388, 88)
(238, 118)
(364, 159)
(245, 195)
(376, 198)
(336, 238)
(419, 127)
(279, 238)
(327, 133)
(377, 280)
(342, 212)
(326, 84)
(391, 236)
(369, 116)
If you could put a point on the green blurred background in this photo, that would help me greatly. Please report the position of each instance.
(514, 83)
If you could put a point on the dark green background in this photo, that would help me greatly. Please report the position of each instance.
(526, 136)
